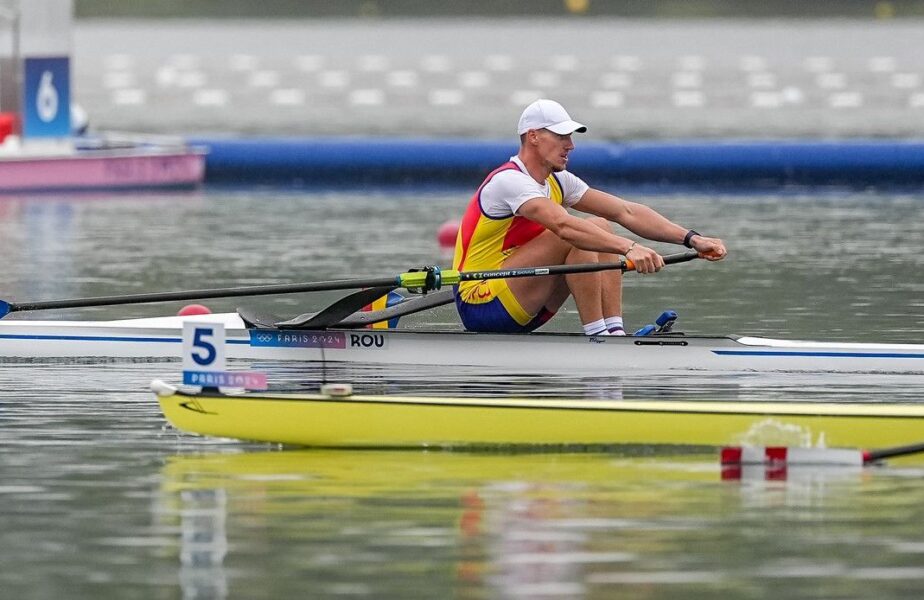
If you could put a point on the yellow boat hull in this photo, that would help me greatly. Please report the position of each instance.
(362, 421)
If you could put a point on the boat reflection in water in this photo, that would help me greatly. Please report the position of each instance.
(395, 523)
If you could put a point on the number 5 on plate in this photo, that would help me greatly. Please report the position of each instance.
(203, 347)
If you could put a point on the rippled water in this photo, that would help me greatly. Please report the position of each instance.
(101, 499)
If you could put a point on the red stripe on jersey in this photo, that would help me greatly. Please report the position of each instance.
(472, 215)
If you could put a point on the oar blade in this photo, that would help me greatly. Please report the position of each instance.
(336, 312)
(408, 307)
(5, 308)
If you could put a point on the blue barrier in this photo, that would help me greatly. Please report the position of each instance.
(365, 161)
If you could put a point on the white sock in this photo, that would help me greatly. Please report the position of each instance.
(614, 325)
(595, 328)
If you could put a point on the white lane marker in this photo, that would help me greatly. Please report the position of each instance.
(190, 79)
(367, 97)
(761, 79)
(211, 98)
(446, 97)
(689, 99)
(687, 79)
(113, 80)
(766, 100)
(129, 97)
(263, 79)
(544, 79)
(831, 81)
(287, 97)
(882, 64)
(906, 81)
(402, 79)
(333, 79)
(166, 76)
(523, 97)
(474, 79)
(615, 80)
(607, 99)
(752, 63)
(792, 95)
(845, 100)
(436, 63)
(818, 64)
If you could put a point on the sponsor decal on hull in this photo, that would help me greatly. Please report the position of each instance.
(318, 339)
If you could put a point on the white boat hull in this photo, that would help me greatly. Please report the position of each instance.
(161, 338)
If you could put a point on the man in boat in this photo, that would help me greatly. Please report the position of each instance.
(518, 218)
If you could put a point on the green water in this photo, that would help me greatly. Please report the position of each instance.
(100, 499)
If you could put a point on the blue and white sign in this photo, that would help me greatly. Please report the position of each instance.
(204, 359)
(46, 107)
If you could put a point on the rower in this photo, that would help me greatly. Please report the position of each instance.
(518, 218)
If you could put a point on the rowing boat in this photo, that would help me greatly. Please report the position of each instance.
(381, 421)
(338, 334)
(161, 338)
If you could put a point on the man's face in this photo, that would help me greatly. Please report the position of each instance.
(554, 149)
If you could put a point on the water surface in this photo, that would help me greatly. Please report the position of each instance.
(100, 498)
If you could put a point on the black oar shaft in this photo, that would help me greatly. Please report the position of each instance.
(402, 280)
(882, 454)
(265, 290)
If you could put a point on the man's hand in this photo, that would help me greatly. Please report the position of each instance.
(709, 248)
(645, 259)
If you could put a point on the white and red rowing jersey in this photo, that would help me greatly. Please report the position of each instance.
(491, 229)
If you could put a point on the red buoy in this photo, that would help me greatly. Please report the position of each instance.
(446, 234)
(194, 309)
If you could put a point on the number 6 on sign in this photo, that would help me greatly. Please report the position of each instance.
(203, 346)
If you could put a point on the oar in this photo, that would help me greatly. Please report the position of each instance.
(359, 318)
(338, 311)
(428, 279)
(735, 456)
(871, 456)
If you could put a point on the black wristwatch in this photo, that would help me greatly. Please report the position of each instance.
(688, 237)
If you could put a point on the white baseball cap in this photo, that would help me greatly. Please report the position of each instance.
(548, 114)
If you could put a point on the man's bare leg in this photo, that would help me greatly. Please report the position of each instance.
(586, 288)
(612, 287)
(596, 295)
